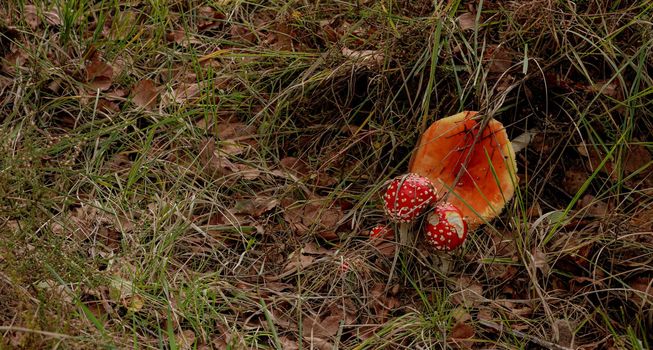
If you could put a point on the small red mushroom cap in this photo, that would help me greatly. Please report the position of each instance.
(446, 229)
(408, 196)
(381, 232)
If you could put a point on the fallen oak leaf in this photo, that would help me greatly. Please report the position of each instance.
(145, 94)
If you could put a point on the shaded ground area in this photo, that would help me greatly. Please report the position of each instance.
(186, 175)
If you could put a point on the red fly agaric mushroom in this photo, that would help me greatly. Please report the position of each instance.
(407, 196)
(381, 232)
(473, 161)
(446, 229)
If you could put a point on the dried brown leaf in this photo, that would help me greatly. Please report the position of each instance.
(99, 75)
(295, 165)
(182, 93)
(498, 59)
(321, 215)
(643, 219)
(575, 177)
(642, 290)
(230, 130)
(316, 327)
(15, 59)
(185, 339)
(469, 292)
(288, 344)
(563, 333)
(636, 160)
(610, 89)
(209, 17)
(594, 207)
(256, 206)
(242, 33)
(107, 106)
(467, 21)
(52, 17)
(369, 58)
(31, 17)
(462, 331)
(297, 262)
(247, 172)
(280, 38)
(540, 261)
(176, 36)
(145, 94)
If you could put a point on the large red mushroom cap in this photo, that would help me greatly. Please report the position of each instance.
(446, 229)
(475, 166)
(407, 197)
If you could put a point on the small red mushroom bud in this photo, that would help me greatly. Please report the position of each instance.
(344, 266)
(407, 197)
(381, 232)
(446, 229)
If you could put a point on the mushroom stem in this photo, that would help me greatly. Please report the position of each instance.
(404, 238)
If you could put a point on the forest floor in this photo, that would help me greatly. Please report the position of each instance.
(204, 175)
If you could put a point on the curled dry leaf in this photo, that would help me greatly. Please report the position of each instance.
(563, 333)
(642, 290)
(217, 165)
(642, 220)
(369, 58)
(237, 133)
(322, 216)
(313, 326)
(540, 261)
(31, 17)
(636, 159)
(280, 38)
(99, 75)
(297, 262)
(181, 94)
(209, 18)
(467, 21)
(461, 331)
(185, 339)
(594, 207)
(382, 303)
(145, 94)
(176, 36)
(295, 166)
(575, 177)
(256, 206)
(52, 17)
(610, 89)
(288, 344)
(468, 292)
(15, 59)
(498, 59)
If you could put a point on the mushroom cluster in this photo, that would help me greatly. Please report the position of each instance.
(463, 172)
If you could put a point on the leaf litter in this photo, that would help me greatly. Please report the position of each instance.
(303, 234)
